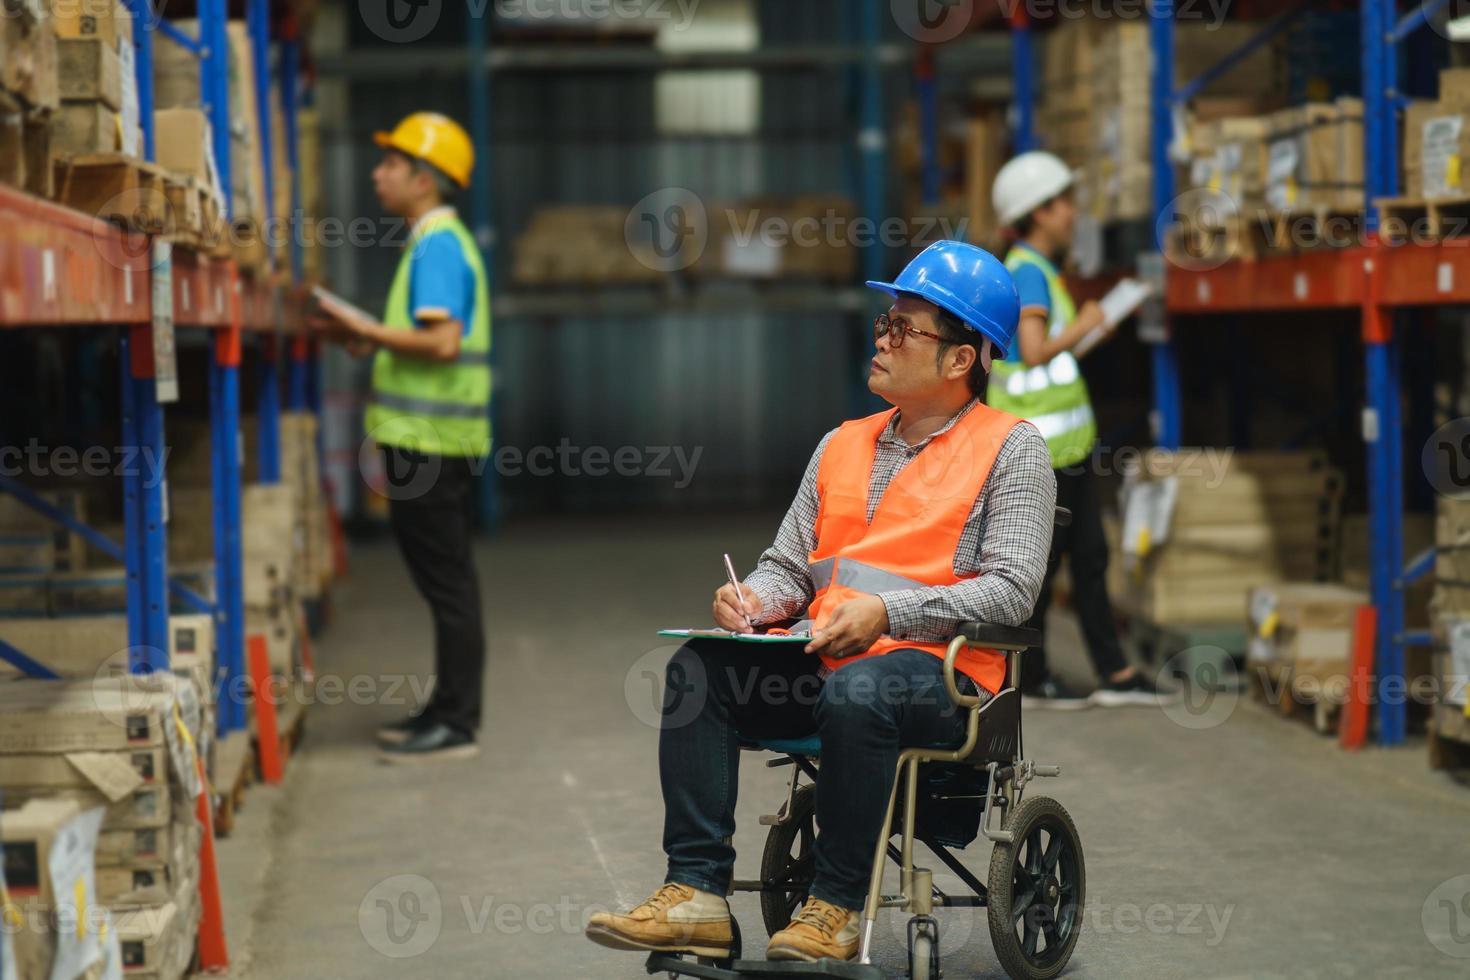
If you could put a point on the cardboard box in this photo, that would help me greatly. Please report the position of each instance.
(96, 715)
(28, 832)
(90, 71)
(28, 61)
(278, 625)
(176, 79)
(81, 128)
(108, 20)
(1307, 629)
(120, 848)
(154, 940)
(151, 805)
(85, 646)
(180, 137)
(1315, 157)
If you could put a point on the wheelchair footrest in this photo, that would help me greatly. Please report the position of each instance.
(749, 969)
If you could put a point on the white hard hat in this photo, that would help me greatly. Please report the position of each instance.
(1026, 182)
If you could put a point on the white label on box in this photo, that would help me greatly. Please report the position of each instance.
(1260, 650)
(752, 257)
(1147, 513)
(1445, 277)
(1281, 169)
(73, 882)
(129, 114)
(48, 275)
(1263, 604)
(1459, 671)
(1441, 156)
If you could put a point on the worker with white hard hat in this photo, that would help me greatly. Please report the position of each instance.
(1041, 382)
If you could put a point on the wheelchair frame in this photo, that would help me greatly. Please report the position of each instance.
(996, 746)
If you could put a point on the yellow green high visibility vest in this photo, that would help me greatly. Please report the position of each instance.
(441, 408)
(1052, 396)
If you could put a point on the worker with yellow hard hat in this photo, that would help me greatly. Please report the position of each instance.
(430, 414)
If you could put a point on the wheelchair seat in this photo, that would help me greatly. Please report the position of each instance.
(810, 745)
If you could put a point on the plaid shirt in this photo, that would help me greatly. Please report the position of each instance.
(1002, 554)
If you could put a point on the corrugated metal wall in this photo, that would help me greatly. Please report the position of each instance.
(751, 393)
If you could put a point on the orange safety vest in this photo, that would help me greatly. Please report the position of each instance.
(915, 532)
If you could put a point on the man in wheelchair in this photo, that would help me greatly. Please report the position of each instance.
(907, 523)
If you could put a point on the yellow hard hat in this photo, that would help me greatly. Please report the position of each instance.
(434, 139)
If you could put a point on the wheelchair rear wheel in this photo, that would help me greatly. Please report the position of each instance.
(790, 861)
(1037, 886)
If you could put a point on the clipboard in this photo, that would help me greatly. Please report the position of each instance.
(716, 633)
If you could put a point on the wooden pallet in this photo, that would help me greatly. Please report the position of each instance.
(1207, 244)
(1449, 737)
(1307, 230)
(116, 188)
(184, 222)
(1402, 219)
(234, 772)
(1272, 684)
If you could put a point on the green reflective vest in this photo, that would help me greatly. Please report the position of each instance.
(1052, 396)
(433, 406)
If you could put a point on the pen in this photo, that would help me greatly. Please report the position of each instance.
(739, 597)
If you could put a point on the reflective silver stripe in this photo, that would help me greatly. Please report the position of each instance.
(821, 573)
(867, 578)
(427, 406)
(1054, 424)
(473, 358)
(860, 576)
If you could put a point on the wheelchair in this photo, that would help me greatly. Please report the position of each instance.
(1035, 885)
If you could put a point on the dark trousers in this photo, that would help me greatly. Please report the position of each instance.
(717, 691)
(1086, 549)
(430, 501)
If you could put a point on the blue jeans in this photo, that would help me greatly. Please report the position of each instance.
(865, 711)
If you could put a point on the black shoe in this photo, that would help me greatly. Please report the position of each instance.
(1136, 691)
(396, 732)
(1050, 695)
(433, 744)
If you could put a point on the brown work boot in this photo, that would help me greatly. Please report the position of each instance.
(674, 919)
(819, 931)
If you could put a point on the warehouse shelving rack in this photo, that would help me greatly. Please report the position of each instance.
(1377, 278)
(61, 268)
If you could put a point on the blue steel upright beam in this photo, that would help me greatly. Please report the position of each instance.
(145, 549)
(224, 431)
(214, 74)
(1023, 74)
(1382, 421)
(258, 22)
(1168, 408)
(142, 17)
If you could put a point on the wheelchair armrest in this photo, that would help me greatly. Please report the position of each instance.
(1000, 637)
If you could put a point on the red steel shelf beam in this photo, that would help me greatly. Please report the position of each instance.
(61, 267)
(1408, 275)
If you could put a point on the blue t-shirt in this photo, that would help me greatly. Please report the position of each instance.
(1033, 292)
(441, 284)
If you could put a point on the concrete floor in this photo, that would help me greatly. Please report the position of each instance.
(1253, 848)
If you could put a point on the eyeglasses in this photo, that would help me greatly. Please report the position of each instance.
(895, 328)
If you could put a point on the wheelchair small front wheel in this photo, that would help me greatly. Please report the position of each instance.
(789, 862)
(923, 948)
(1037, 886)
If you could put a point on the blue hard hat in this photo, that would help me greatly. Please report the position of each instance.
(967, 281)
